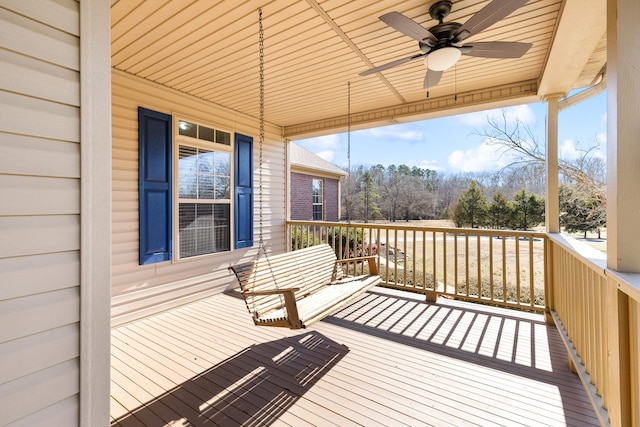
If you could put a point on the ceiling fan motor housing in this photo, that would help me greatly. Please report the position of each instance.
(440, 9)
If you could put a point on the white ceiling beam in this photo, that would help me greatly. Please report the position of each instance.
(430, 108)
(581, 26)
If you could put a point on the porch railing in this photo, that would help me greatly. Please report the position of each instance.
(597, 311)
(505, 268)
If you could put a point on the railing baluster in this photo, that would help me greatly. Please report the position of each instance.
(386, 255)
(491, 267)
(517, 243)
(479, 261)
(466, 263)
(504, 268)
(424, 260)
(444, 262)
(531, 274)
(434, 237)
(395, 256)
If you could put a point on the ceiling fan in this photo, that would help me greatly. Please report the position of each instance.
(441, 45)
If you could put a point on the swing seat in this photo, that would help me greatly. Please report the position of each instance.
(297, 288)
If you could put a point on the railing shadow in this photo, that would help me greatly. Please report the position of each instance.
(253, 387)
(520, 344)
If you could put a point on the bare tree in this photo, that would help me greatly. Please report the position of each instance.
(516, 139)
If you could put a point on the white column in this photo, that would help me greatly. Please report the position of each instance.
(623, 136)
(623, 198)
(95, 272)
(552, 209)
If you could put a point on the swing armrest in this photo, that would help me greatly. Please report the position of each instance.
(371, 259)
(289, 303)
(272, 292)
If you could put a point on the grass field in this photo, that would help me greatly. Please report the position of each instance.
(503, 268)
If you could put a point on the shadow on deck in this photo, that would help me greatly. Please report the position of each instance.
(253, 387)
(388, 359)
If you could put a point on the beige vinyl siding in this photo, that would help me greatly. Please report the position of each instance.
(139, 290)
(40, 212)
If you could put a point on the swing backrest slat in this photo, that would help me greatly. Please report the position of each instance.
(307, 269)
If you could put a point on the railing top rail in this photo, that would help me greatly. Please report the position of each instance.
(629, 283)
(452, 230)
(596, 260)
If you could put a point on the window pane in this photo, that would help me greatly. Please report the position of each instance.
(203, 228)
(188, 129)
(317, 212)
(205, 133)
(222, 226)
(316, 189)
(222, 164)
(205, 161)
(223, 137)
(206, 187)
(187, 229)
(222, 188)
(187, 172)
(205, 174)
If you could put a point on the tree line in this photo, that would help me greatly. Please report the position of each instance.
(516, 192)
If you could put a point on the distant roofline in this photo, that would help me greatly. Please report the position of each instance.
(301, 158)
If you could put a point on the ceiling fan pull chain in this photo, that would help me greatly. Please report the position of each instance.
(455, 83)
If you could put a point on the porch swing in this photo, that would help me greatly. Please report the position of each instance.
(297, 288)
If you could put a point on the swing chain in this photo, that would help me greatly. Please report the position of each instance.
(349, 151)
(261, 57)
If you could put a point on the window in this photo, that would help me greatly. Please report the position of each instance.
(187, 193)
(204, 178)
(204, 190)
(317, 199)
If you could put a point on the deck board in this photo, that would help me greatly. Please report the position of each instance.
(387, 359)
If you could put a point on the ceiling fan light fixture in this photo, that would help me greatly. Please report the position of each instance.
(443, 58)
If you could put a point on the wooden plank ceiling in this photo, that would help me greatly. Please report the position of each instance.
(313, 48)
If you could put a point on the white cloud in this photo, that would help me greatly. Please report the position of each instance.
(395, 132)
(431, 164)
(327, 142)
(483, 158)
(601, 138)
(569, 151)
(325, 147)
(524, 113)
(426, 164)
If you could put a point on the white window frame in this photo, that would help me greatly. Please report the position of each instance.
(313, 202)
(183, 140)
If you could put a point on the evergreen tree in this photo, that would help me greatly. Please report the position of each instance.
(580, 210)
(369, 197)
(471, 208)
(500, 212)
(528, 210)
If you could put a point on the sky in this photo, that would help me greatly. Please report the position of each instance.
(455, 144)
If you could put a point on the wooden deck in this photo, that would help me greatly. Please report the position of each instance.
(389, 359)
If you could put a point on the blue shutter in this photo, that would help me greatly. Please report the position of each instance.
(154, 150)
(243, 191)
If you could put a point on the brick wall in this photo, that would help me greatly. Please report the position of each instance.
(302, 200)
(331, 199)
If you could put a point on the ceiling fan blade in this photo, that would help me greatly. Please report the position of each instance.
(392, 64)
(432, 78)
(496, 49)
(408, 27)
(486, 17)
